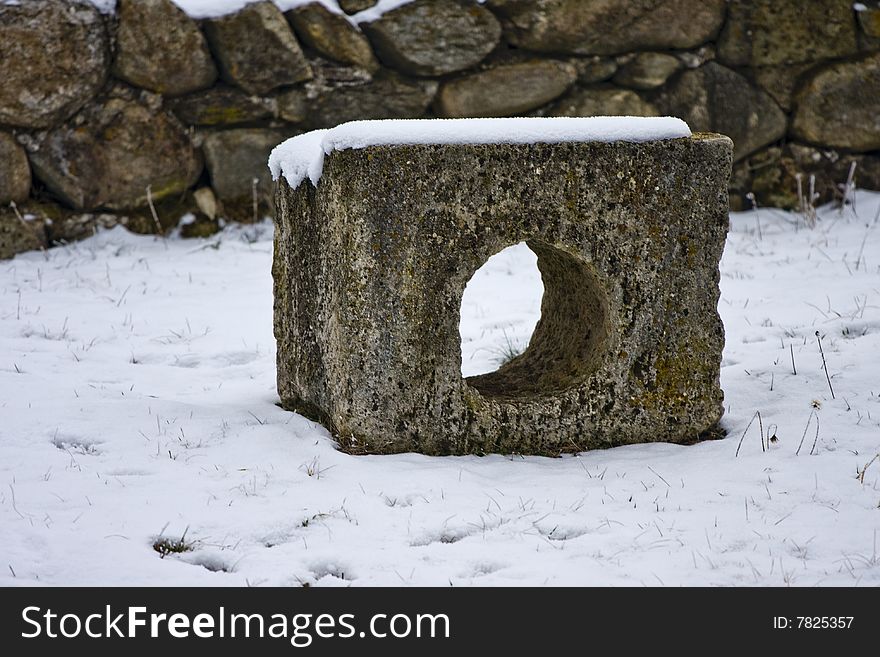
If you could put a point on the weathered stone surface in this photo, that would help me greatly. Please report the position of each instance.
(769, 32)
(605, 102)
(506, 90)
(256, 49)
(434, 37)
(868, 43)
(293, 105)
(771, 175)
(19, 232)
(235, 159)
(838, 106)
(354, 6)
(608, 27)
(647, 70)
(221, 105)
(332, 35)
(387, 96)
(371, 266)
(714, 98)
(54, 56)
(780, 81)
(594, 69)
(696, 58)
(15, 172)
(108, 154)
(329, 75)
(869, 20)
(160, 48)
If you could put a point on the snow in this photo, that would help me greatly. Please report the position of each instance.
(299, 157)
(137, 399)
(104, 6)
(213, 8)
(303, 155)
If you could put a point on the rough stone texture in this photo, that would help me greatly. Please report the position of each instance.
(234, 159)
(370, 269)
(293, 105)
(434, 37)
(594, 69)
(605, 102)
(221, 105)
(647, 70)
(506, 90)
(780, 82)
(869, 21)
(54, 56)
(771, 175)
(354, 6)
(329, 75)
(107, 155)
(256, 49)
(332, 35)
(386, 97)
(15, 173)
(714, 98)
(18, 235)
(608, 27)
(160, 48)
(839, 106)
(770, 32)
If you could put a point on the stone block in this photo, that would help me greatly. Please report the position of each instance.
(716, 98)
(15, 173)
(108, 154)
(606, 27)
(434, 37)
(256, 49)
(370, 267)
(160, 48)
(506, 90)
(54, 57)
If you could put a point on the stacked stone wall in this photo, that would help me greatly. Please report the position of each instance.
(144, 115)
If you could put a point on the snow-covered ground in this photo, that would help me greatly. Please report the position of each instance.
(137, 401)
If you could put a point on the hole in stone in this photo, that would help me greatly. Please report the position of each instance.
(499, 309)
(534, 321)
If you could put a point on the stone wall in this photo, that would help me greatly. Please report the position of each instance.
(142, 116)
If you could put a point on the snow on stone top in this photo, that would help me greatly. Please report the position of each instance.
(215, 8)
(303, 155)
(299, 157)
(104, 6)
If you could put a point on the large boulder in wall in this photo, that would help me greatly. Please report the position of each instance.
(54, 57)
(113, 150)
